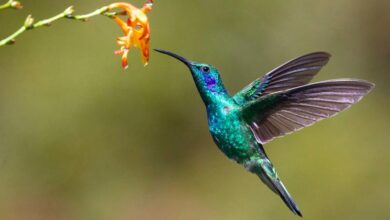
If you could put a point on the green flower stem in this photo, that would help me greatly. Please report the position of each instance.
(6, 5)
(68, 13)
(99, 11)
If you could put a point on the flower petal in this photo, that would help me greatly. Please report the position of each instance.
(125, 65)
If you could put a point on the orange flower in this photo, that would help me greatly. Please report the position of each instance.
(136, 30)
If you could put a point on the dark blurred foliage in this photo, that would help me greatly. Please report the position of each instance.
(82, 139)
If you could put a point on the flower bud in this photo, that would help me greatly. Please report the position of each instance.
(16, 5)
(29, 21)
(69, 11)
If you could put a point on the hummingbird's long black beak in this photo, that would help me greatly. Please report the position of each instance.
(182, 59)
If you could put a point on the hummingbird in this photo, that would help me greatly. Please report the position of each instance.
(272, 106)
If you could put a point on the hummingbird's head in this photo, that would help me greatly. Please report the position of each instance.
(206, 77)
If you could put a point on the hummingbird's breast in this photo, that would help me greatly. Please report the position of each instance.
(231, 134)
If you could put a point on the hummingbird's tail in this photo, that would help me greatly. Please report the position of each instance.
(267, 173)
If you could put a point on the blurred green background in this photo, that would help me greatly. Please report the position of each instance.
(82, 139)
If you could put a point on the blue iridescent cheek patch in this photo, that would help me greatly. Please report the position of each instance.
(211, 82)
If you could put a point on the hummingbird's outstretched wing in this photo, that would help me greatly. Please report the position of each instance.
(296, 72)
(281, 113)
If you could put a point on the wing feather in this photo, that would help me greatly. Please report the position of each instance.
(296, 108)
(294, 73)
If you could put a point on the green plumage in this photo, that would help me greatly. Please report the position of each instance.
(272, 106)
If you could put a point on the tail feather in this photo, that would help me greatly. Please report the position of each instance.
(264, 169)
(286, 197)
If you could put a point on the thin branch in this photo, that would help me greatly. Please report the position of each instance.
(68, 13)
(11, 4)
(99, 11)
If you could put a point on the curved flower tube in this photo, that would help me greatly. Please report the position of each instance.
(136, 30)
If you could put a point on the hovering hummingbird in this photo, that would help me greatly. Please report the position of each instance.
(272, 106)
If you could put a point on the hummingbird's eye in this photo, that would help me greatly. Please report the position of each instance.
(205, 69)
